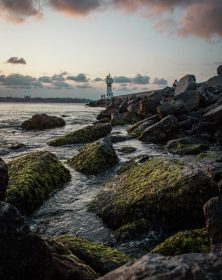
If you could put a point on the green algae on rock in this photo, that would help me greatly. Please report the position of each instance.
(126, 166)
(32, 178)
(101, 258)
(167, 193)
(132, 230)
(127, 150)
(95, 158)
(184, 242)
(209, 156)
(188, 149)
(84, 135)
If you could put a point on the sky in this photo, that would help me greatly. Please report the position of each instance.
(65, 48)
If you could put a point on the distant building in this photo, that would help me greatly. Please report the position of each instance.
(109, 82)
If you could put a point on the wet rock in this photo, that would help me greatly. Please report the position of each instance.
(205, 127)
(126, 166)
(186, 83)
(190, 140)
(148, 106)
(124, 118)
(127, 150)
(137, 129)
(25, 256)
(87, 134)
(186, 124)
(123, 106)
(214, 115)
(167, 193)
(219, 70)
(214, 171)
(161, 131)
(32, 178)
(16, 146)
(171, 108)
(183, 267)
(115, 138)
(105, 120)
(215, 81)
(95, 158)
(184, 242)
(218, 136)
(3, 179)
(101, 258)
(212, 212)
(209, 157)
(42, 121)
(191, 99)
(132, 230)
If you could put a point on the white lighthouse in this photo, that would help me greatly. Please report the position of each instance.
(109, 82)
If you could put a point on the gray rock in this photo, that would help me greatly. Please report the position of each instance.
(171, 108)
(191, 99)
(190, 140)
(186, 83)
(161, 131)
(3, 179)
(219, 70)
(215, 81)
(214, 115)
(183, 267)
(42, 121)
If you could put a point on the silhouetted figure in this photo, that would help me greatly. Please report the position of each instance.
(175, 84)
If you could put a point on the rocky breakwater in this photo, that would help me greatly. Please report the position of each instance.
(3, 179)
(42, 121)
(32, 178)
(87, 134)
(25, 255)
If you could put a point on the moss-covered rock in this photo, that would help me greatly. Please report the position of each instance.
(126, 166)
(32, 178)
(184, 242)
(167, 193)
(188, 149)
(87, 134)
(101, 258)
(209, 156)
(42, 121)
(95, 158)
(131, 230)
(127, 150)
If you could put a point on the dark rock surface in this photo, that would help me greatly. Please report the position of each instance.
(42, 121)
(183, 267)
(3, 179)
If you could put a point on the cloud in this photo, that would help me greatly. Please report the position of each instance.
(16, 60)
(20, 81)
(45, 79)
(19, 10)
(84, 86)
(201, 18)
(61, 85)
(138, 79)
(160, 82)
(80, 78)
(75, 7)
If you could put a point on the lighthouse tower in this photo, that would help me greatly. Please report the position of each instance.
(109, 82)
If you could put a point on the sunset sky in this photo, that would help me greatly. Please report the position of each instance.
(65, 48)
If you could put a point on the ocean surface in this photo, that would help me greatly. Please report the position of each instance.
(65, 212)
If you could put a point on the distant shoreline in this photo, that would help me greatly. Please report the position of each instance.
(44, 100)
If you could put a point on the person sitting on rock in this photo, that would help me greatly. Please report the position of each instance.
(175, 84)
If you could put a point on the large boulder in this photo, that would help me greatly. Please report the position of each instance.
(161, 131)
(171, 108)
(219, 70)
(87, 134)
(42, 121)
(101, 258)
(167, 193)
(26, 256)
(183, 267)
(213, 212)
(215, 81)
(32, 178)
(191, 99)
(95, 158)
(148, 106)
(3, 179)
(186, 83)
(184, 242)
(214, 115)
